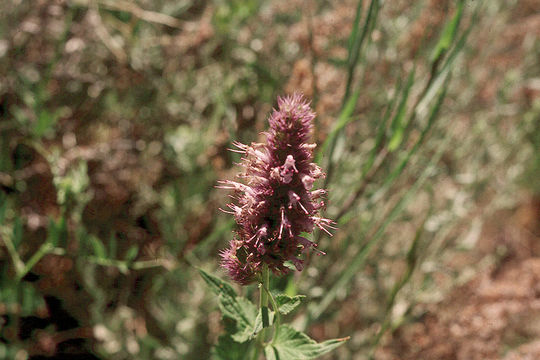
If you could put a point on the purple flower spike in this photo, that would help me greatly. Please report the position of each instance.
(276, 203)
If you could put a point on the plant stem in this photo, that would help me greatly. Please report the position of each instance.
(263, 306)
(265, 279)
(277, 318)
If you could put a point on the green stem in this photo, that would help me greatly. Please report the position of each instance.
(265, 279)
(263, 305)
(17, 262)
(277, 321)
(42, 251)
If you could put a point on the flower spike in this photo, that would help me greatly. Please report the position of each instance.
(276, 203)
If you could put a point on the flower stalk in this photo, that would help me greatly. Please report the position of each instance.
(275, 205)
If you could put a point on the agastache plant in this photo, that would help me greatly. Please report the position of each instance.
(276, 202)
(275, 205)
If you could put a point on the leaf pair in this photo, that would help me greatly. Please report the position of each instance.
(288, 343)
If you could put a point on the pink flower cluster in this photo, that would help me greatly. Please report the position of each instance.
(276, 202)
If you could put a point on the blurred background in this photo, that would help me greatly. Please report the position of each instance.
(115, 119)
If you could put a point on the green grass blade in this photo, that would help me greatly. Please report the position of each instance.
(354, 56)
(357, 41)
(448, 34)
(397, 126)
(404, 161)
(381, 131)
(359, 259)
(344, 118)
(353, 38)
(412, 262)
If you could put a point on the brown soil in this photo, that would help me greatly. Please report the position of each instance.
(496, 315)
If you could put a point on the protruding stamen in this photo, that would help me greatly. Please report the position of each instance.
(237, 209)
(233, 185)
(294, 199)
(226, 211)
(240, 145)
(323, 224)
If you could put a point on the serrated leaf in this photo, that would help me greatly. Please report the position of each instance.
(239, 309)
(217, 285)
(228, 349)
(286, 304)
(291, 344)
(244, 312)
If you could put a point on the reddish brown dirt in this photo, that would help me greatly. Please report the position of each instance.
(496, 315)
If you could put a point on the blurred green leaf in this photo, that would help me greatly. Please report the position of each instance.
(448, 34)
(397, 126)
(359, 258)
(344, 118)
(57, 232)
(45, 123)
(132, 253)
(356, 40)
(98, 247)
(228, 349)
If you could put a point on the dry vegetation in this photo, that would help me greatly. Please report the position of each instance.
(115, 119)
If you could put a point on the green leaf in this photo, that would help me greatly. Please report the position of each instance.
(245, 313)
(228, 349)
(356, 40)
(344, 118)
(448, 34)
(57, 233)
(295, 345)
(98, 247)
(239, 309)
(217, 285)
(45, 123)
(286, 304)
(132, 253)
(397, 126)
